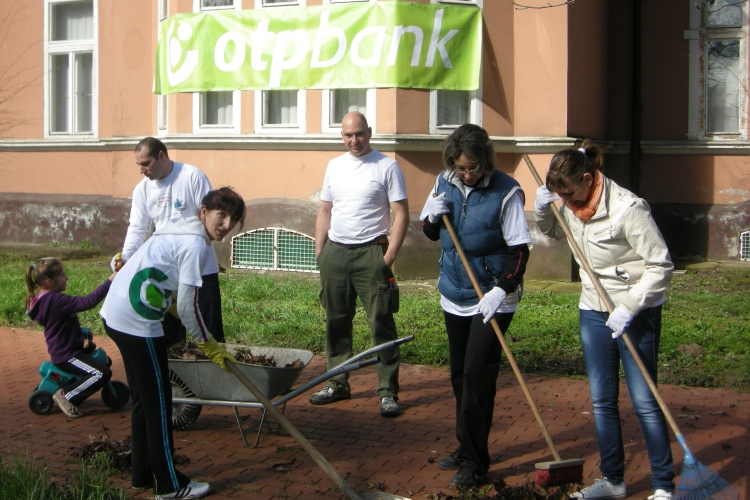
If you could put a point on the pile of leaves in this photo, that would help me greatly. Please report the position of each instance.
(244, 355)
(498, 490)
(115, 453)
(190, 351)
(185, 350)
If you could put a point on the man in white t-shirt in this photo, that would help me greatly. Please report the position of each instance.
(360, 189)
(171, 189)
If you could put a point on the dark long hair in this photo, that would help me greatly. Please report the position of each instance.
(228, 200)
(473, 142)
(568, 166)
(48, 268)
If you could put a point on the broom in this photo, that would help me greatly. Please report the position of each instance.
(548, 473)
(698, 482)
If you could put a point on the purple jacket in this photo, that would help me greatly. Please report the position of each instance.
(56, 312)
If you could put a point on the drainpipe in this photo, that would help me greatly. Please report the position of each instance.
(635, 132)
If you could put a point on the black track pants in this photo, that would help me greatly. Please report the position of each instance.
(145, 361)
(475, 364)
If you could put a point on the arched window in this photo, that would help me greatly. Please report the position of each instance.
(745, 246)
(274, 249)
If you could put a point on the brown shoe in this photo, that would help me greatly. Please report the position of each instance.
(66, 406)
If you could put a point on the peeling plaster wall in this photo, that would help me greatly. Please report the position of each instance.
(699, 232)
(66, 219)
(693, 232)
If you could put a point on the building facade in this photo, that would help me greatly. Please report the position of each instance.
(661, 85)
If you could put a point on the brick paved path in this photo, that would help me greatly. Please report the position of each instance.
(366, 448)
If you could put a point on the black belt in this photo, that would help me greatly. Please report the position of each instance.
(380, 240)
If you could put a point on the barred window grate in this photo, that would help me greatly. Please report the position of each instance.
(745, 246)
(274, 249)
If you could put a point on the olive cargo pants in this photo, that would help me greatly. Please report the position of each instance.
(348, 273)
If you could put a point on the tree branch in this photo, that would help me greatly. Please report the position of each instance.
(548, 6)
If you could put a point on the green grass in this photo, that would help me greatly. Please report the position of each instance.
(705, 328)
(22, 478)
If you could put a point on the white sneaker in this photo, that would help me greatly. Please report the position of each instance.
(66, 406)
(192, 490)
(602, 489)
(660, 494)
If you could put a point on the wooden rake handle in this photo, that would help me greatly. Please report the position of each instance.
(309, 448)
(501, 338)
(608, 302)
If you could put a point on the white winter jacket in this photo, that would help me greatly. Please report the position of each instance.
(622, 245)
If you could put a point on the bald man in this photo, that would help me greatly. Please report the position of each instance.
(360, 190)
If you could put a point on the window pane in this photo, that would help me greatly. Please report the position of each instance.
(72, 21)
(163, 9)
(84, 87)
(453, 107)
(162, 118)
(280, 107)
(59, 76)
(280, 2)
(345, 101)
(722, 86)
(216, 3)
(217, 108)
(723, 13)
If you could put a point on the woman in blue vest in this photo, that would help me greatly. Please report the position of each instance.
(485, 207)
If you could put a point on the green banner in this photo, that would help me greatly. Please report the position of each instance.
(383, 44)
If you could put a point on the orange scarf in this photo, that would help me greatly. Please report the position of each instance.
(587, 211)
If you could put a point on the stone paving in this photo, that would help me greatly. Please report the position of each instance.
(369, 451)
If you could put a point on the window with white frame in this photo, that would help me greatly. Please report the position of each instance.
(70, 65)
(161, 100)
(329, 2)
(280, 111)
(450, 109)
(259, 4)
(718, 69)
(163, 9)
(216, 111)
(339, 102)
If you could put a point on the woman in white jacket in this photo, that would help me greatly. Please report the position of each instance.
(169, 264)
(621, 242)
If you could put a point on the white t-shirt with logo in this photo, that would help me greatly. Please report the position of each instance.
(361, 190)
(159, 201)
(144, 288)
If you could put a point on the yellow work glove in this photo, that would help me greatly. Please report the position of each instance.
(216, 353)
(173, 309)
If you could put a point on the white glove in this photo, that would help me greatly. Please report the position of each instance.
(619, 320)
(437, 206)
(491, 302)
(544, 197)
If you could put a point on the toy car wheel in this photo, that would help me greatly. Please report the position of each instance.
(118, 399)
(40, 402)
(182, 414)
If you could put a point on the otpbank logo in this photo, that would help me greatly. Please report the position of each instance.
(174, 54)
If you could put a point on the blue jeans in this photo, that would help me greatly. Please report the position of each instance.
(603, 354)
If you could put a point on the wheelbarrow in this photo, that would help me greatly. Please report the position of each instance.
(202, 382)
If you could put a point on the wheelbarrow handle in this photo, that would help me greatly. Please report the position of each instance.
(377, 348)
(309, 448)
(342, 368)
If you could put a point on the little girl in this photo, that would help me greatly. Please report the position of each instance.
(56, 312)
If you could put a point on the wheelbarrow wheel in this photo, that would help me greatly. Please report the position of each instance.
(182, 414)
(118, 400)
(40, 402)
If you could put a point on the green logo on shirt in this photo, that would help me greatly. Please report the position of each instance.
(149, 299)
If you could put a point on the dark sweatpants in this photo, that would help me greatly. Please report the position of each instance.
(145, 361)
(475, 364)
(209, 304)
(93, 376)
